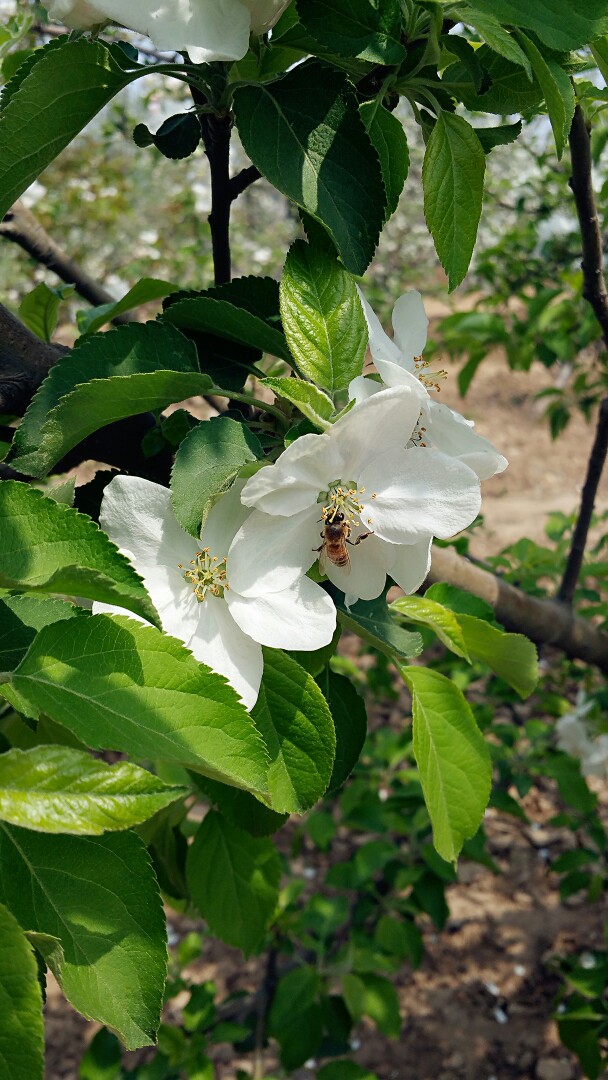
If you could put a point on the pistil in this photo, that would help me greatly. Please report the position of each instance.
(207, 573)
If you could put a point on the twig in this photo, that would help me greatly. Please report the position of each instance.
(547, 622)
(594, 290)
(215, 132)
(239, 183)
(264, 1003)
(20, 226)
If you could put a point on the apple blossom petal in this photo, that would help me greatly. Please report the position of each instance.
(301, 617)
(264, 13)
(222, 645)
(382, 422)
(409, 564)
(365, 575)
(361, 388)
(295, 480)
(395, 375)
(208, 29)
(410, 326)
(224, 520)
(451, 433)
(380, 345)
(420, 492)
(139, 518)
(100, 608)
(269, 554)
(77, 14)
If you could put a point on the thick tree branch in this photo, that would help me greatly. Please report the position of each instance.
(24, 362)
(594, 290)
(547, 622)
(20, 226)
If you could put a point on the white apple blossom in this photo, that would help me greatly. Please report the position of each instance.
(189, 583)
(206, 29)
(392, 501)
(399, 363)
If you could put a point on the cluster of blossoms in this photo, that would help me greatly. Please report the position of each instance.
(366, 498)
(206, 29)
(573, 738)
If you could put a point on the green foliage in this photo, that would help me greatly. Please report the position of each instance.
(22, 1036)
(307, 154)
(322, 317)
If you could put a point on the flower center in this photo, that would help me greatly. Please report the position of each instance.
(343, 499)
(426, 377)
(207, 573)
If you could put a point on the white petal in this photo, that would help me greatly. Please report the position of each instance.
(380, 345)
(420, 492)
(224, 520)
(410, 326)
(138, 517)
(222, 645)
(449, 432)
(364, 577)
(270, 553)
(77, 14)
(409, 564)
(295, 480)
(264, 13)
(302, 617)
(217, 29)
(380, 423)
(360, 389)
(395, 375)
(99, 608)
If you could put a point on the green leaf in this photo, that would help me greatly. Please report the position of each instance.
(234, 881)
(143, 292)
(295, 1018)
(501, 135)
(368, 29)
(495, 35)
(102, 1058)
(22, 1029)
(55, 789)
(461, 602)
(312, 402)
(99, 897)
(205, 314)
(373, 996)
(21, 617)
(48, 547)
(40, 307)
(350, 722)
(240, 808)
(122, 686)
(442, 621)
(62, 87)
(322, 317)
(557, 89)
(599, 51)
(306, 136)
(371, 620)
(207, 462)
(512, 656)
(128, 370)
(510, 91)
(452, 756)
(293, 718)
(452, 178)
(387, 135)
(177, 137)
(560, 24)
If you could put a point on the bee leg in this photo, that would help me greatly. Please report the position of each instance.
(319, 548)
(359, 539)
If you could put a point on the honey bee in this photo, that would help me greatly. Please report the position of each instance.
(335, 537)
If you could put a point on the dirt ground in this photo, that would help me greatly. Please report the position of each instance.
(479, 1007)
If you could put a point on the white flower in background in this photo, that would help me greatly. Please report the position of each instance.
(376, 504)
(206, 29)
(399, 363)
(573, 738)
(189, 583)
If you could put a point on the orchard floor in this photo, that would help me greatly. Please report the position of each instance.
(479, 1007)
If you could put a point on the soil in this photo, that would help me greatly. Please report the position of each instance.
(480, 1005)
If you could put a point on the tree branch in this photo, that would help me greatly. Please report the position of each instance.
(594, 290)
(547, 622)
(20, 226)
(244, 179)
(24, 362)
